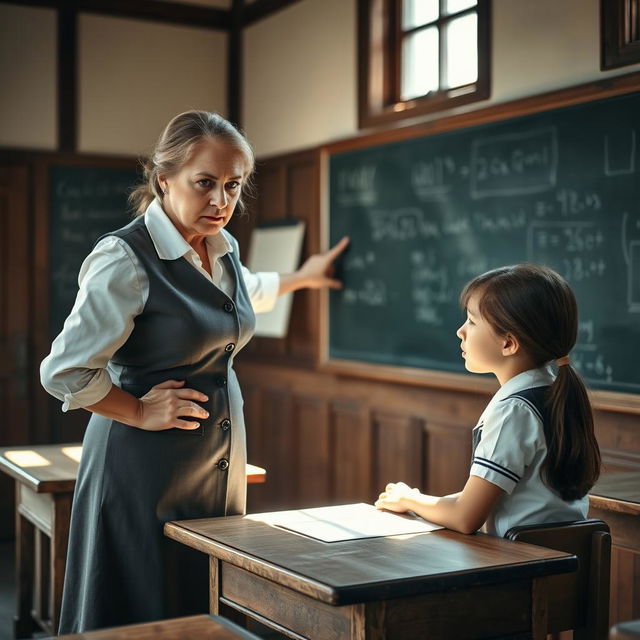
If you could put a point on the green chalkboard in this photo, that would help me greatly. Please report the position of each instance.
(84, 203)
(559, 187)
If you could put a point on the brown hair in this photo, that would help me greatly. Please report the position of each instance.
(174, 147)
(535, 305)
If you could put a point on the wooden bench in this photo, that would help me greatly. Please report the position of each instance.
(196, 627)
(45, 477)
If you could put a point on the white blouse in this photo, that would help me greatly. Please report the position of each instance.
(113, 290)
(511, 453)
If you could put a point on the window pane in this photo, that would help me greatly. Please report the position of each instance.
(419, 12)
(420, 72)
(453, 6)
(461, 46)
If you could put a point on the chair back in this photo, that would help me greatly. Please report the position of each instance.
(579, 600)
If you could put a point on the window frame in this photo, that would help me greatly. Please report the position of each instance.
(379, 65)
(619, 33)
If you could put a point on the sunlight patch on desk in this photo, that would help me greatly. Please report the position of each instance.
(73, 452)
(27, 458)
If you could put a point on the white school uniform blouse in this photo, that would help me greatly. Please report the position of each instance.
(78, 370)
(510, 454)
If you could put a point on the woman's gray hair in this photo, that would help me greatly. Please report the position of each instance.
(174, 147)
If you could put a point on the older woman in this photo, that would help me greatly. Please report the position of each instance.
(164, 305)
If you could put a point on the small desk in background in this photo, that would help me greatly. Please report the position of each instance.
(615, 498)
(439, 585)
(45, 478)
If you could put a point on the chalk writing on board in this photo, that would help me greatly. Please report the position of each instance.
(514, 164)
(433, 177)
(357, 187)
(84, 203)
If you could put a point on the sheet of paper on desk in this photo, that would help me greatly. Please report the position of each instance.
(347, 522)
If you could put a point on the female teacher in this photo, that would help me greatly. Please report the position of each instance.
(163, 307)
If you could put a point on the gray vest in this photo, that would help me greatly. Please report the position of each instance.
(120, 568)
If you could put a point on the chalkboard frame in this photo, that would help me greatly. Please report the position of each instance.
(590, 92)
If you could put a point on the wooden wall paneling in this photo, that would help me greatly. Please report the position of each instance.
(399, 444)
(625, 585)
(15, 304)
(302, 204)
(258, 493)
(618, 435)
(448, 458)
(353, 455)
(313, 450)
(279, 448)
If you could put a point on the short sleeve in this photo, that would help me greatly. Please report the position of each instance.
(510, 437)
(112, 291)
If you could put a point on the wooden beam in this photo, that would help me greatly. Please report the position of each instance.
(169, 12)
(234, 64)
(67, 19)
(263, 8)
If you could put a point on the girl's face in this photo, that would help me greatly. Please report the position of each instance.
(483, 349)
(201, 196)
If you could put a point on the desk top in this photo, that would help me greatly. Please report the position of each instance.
(617, 492)
(367, 569)
(53, 468)
(202, 627)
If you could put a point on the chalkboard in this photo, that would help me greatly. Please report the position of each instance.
(84, 203)
(426, 214)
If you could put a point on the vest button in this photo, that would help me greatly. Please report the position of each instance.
(221, 381)
(225, 424)
(228, 307)
(223, 464)
(230, 347)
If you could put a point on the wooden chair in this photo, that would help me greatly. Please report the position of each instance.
(580, 600)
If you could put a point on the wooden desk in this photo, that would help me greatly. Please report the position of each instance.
(45, 479)
(616, 499)
(194, 627)
(436, 585)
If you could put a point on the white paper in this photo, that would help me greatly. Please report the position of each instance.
(278, 249)
(346, 522)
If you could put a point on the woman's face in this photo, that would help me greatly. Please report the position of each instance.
(200, 198)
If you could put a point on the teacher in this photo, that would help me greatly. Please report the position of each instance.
(163, 307)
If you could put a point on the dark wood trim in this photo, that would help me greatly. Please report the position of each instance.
(379, 67)
(67, 24)
(259, 10)
(235, 64)
(620, 40)
(171, 12)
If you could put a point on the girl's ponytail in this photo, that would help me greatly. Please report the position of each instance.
(572, 465)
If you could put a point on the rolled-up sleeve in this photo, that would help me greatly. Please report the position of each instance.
(112, 292)
(262, 287)
(509, 440)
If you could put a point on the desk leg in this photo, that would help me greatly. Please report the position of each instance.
(23, 624)
(214, 584)
(58, 555)
(539, 609)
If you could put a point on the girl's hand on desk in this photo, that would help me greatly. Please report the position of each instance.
(392, 498)
(160, 407)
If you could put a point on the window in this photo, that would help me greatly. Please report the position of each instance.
(418, 56)
(620, 29)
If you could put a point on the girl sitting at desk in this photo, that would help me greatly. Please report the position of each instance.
(535, 455)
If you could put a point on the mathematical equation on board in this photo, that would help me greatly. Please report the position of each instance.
(83, 207)
(512, 192)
